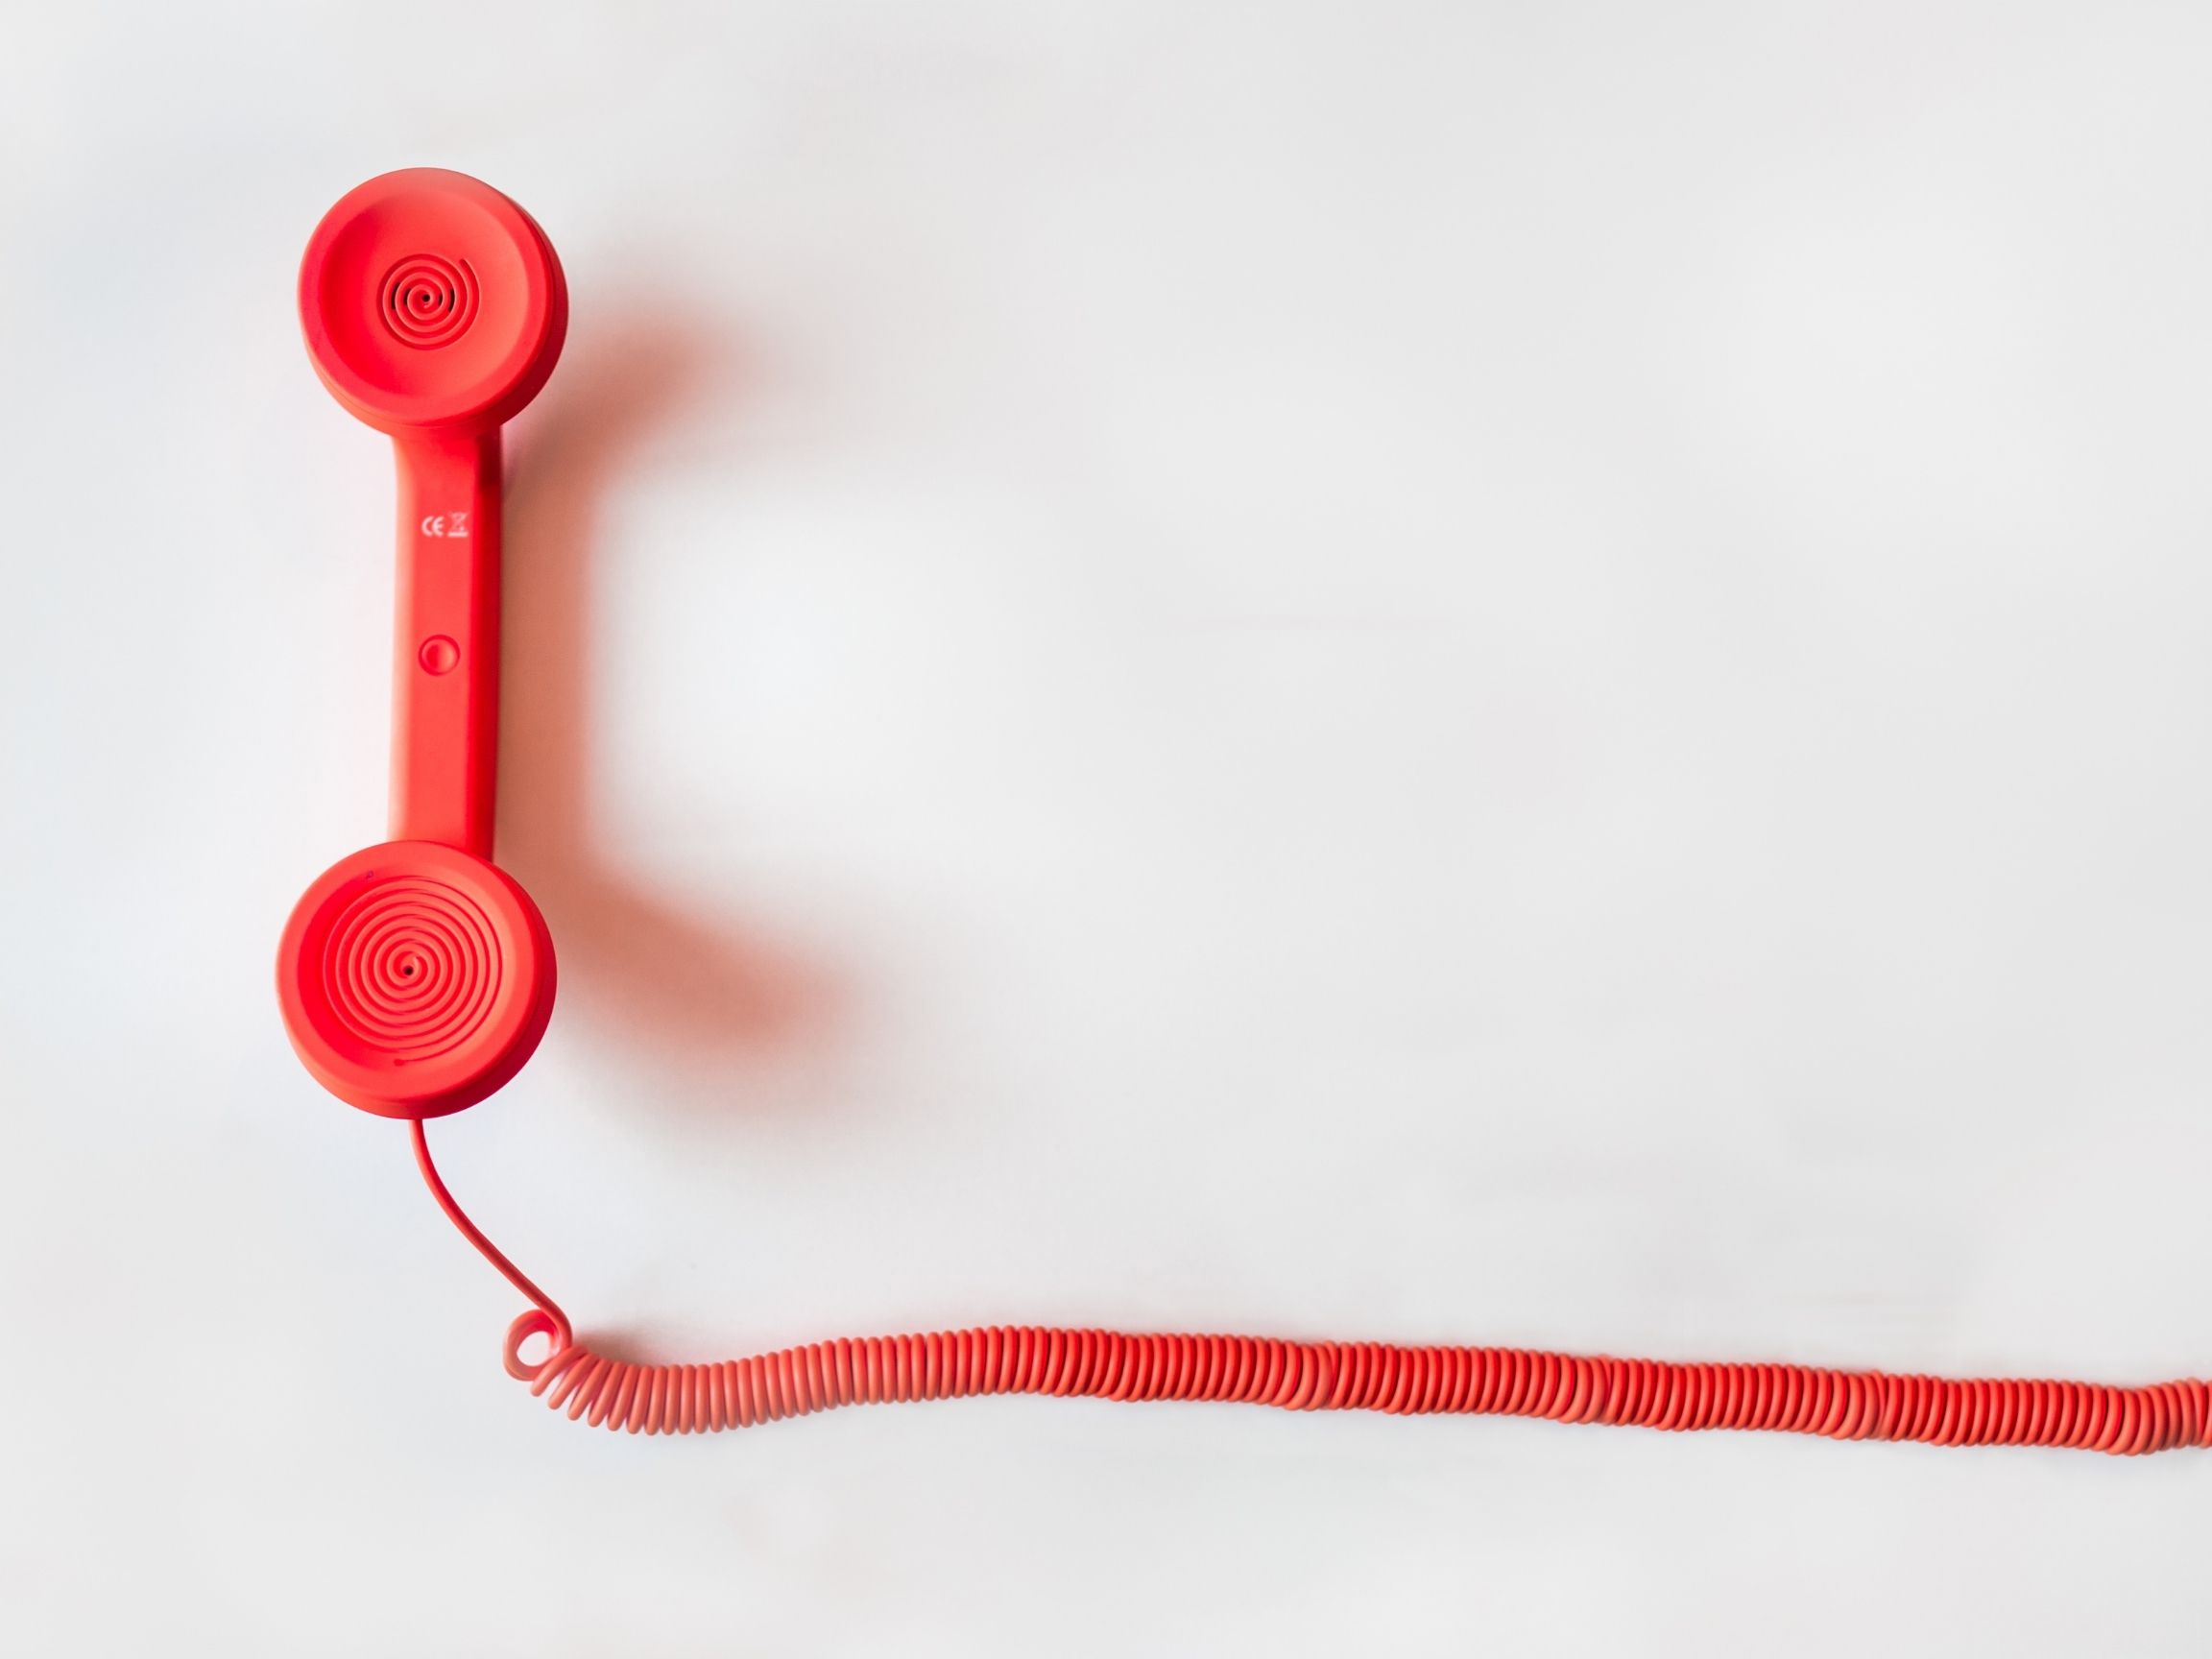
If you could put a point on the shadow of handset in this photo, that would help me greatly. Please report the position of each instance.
(672, 980)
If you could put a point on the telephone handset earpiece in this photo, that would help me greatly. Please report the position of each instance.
(416, 976)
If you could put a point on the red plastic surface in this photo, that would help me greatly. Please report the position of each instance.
(431, 303)
(416, 977)
(445, 641)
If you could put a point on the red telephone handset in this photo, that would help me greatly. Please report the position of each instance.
(417, 977)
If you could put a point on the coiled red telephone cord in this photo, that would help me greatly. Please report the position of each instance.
(1325, 1376)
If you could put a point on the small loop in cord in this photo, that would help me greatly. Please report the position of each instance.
(534, 1322)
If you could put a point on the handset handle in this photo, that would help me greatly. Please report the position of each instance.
(445, 644)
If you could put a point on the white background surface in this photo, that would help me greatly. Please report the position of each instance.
(1519, 674)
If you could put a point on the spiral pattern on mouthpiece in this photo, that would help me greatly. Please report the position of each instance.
(412, 968)
(427, 300)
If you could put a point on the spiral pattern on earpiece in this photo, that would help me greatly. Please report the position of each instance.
(412, 968)
(427, 300)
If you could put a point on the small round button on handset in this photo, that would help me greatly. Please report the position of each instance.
(416, 976)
